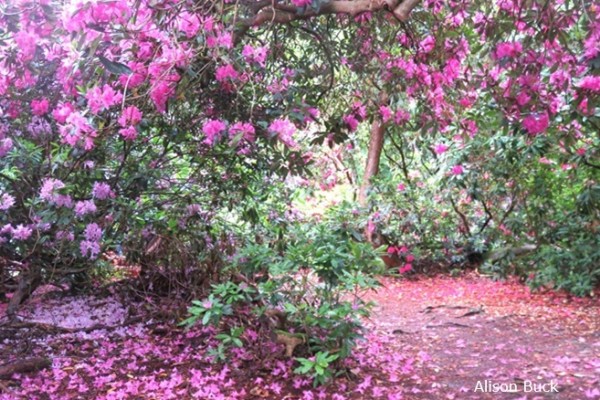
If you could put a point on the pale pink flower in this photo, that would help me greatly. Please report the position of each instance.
(62, 112)
(440, 148)
(49, 186)
(84, 207)
(102, 191)
(21, 232)
(284, 130)
(6, 201)
(93, 233)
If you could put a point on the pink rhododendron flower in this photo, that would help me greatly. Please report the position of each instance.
(401, 116)
(428, 44)
(189, 24)
(65, 235)
(27, 43)
(440, 149)
(245, 129)
(410, 258)
(130, 116)
(212, 129)
(102, 191)
(401, 187)
(129, 133)
(6, 201)
(351, 122)
(406, 268)
(255, 54)
(40, 106)
(225, 40)
(5, 146)
(63, 200)
(457, 170)
(84, 207)
(76, 129)
(226, 72)
(386, 113)
(62, 112)
(160, 93)
(284, 130)
(591, 82)
(302, 3)
(102, 98)
(536, 123)
(93, 232)
(89, 249)
(508, 49)
(49, 186)
(21, 232)
(523, 98)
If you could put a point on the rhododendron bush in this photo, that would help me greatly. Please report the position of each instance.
(163, 129)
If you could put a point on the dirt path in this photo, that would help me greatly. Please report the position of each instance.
(470, 330)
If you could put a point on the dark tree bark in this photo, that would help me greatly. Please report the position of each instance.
(23, 366)
(376, 140)
(29, 281)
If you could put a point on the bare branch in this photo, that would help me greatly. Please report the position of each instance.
(272, 12)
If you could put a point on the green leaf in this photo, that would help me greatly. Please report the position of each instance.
(115, 67)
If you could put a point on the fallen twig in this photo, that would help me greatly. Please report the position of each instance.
(429, 309)
(473, 311)
(448, 324)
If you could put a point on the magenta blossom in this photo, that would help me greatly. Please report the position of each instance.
(130, 116)
(226, 72)
(212, 129)
(458, 170)
(536, 123)
(284, 130)
(440, 149)
(591, 83)
(40, 106)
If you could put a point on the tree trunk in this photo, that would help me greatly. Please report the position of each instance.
(29, 281)
(373, 157)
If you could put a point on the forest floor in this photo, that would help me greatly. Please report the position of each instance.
(428, 338)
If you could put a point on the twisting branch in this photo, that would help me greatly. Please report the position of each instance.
(273, 12)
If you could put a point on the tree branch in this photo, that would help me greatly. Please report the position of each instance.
(275, 13)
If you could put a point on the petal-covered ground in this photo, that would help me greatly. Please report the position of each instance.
(433, 338)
